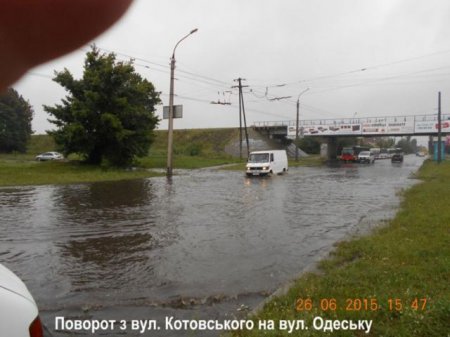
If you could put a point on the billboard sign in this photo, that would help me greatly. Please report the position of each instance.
(429, 124)
(326, 130)
(382, 126)
(388, 126)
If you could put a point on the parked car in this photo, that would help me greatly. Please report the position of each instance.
(49, 156)
(397, 158)
(19, 314)
(366, 157)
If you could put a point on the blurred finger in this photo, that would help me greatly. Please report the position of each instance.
(32, 32)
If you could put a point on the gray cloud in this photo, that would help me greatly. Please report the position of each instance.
(323, 45)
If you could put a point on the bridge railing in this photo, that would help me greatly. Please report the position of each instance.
(273, 123)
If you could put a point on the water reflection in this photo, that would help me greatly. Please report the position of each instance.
(108, 233)
(105, 195)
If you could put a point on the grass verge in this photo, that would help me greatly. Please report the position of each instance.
(398, 276)
(194, 149)
(23, 172)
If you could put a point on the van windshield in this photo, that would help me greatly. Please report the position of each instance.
(258, 158)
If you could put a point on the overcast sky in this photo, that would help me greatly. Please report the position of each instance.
(357, 57)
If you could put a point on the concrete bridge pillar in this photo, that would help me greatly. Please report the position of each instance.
(332, 149)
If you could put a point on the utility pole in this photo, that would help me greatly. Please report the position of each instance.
(297, 122)
(242, 113)
(439, 147)
(245, 120)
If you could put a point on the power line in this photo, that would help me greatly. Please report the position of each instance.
(357, 70)
(208, 81)
(203, 77)
(387, 78)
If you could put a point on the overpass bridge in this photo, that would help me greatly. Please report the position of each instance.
(331, 129)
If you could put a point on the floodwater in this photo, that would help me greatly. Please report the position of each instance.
(209, 244)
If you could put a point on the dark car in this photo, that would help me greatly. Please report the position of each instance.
(397, 158)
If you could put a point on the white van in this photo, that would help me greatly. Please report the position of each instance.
(261, 163)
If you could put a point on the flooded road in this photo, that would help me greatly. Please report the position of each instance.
(204, 245)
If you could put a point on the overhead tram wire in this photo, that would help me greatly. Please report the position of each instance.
(288, 101)
(372, 67)
(205, 101)
(358, 84)
(382, 79)
(196, 79)
(214, 83)
(354, 71)
(193, 75)
(363, 82)
(179, 96)
(193, 79)
(247, 109)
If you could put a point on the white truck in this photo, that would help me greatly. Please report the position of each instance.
(261, 163)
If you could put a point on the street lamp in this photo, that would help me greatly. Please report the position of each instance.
(297, 122)
(170, 131)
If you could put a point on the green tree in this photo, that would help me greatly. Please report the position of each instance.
(16, 115)
(407, 145)
(385, 142)
(108, 115)
(310, 145)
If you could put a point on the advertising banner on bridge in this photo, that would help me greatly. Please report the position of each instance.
(388, 126)
(356, 127)
(429, 124)
(376, 126)
(324, 129)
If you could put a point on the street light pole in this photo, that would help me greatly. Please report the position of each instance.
(297, 123)
(170, 131)
(439, 146)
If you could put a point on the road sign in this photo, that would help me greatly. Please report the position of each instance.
(177, 111)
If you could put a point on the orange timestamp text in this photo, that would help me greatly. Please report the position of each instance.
(360, 304)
